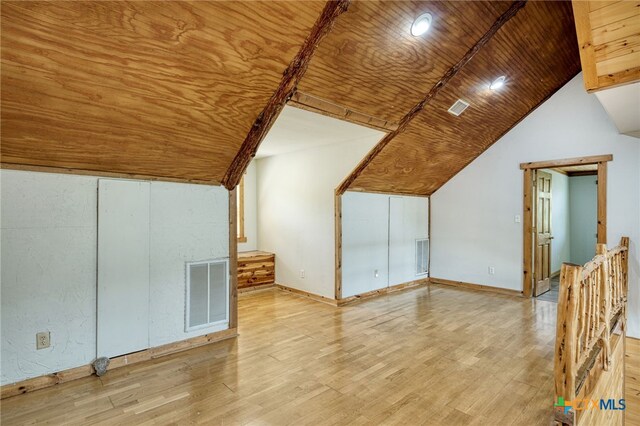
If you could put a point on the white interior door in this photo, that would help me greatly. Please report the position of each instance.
(123, 267)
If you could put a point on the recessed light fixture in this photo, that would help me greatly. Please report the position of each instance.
(497, 83)
(421, 25)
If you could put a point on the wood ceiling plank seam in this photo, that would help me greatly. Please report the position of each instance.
(614, 31)
(288, 85)
(614, 13)
(451, 72)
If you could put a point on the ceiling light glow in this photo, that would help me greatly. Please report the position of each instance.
(421, 25)
(497, 83)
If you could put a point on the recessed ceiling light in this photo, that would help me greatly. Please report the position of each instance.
(497, 83)
(421, 24)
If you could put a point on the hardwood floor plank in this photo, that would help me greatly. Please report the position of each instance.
(433, 355)
(632, 382)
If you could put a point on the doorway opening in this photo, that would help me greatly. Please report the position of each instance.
(564, 218)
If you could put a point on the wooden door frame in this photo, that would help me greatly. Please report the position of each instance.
(528, 195)
(338, 245)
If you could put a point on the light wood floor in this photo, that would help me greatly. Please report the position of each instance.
(432, 355)
(632, 382)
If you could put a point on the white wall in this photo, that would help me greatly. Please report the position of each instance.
(473, 223)
(296, 215)
(583, 195)
(48, 277)
(379, 233)
(365, 242)
(250, 209)
(560, 223)
(48, 264)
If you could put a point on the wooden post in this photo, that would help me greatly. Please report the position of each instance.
(602, 202)
(624, 242)
(527, 219)
(565, 368)
(605, 306)
(338, 245)
(233, 260)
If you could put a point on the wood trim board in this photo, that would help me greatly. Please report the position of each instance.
(233, 261)
(242, 238)
(429, 235)
(602, 202)
(576, 161)
(99, 173)
(527, 226)
(383, 291)
(255, 288)
(478, 287)
(68, 375)
(338, 245)
(392, 193)
(312, 296)
(586, 47)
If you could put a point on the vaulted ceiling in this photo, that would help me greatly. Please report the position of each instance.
(164, 89)
(173, 90)
(533, 50)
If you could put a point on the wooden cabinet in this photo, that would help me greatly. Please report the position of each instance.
(256, 268)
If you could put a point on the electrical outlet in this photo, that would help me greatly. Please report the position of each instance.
(43, 340)
(492, 270)
(301, 273)
(517, 219)
(376, 274)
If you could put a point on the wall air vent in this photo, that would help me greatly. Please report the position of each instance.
(422, 256)
(458, 107)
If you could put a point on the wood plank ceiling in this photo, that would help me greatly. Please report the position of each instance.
(172, 91)
(535, 50)
(154, 89)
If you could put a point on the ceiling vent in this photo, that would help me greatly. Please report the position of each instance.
(458, 107)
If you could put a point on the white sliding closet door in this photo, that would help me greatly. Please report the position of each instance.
(408, 222)
(123, 267)
(401, 257)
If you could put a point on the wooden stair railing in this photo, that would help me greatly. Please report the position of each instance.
(591, 304)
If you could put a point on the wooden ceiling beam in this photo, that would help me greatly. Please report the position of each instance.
(314, 104)
(451, 72)
(290, 79)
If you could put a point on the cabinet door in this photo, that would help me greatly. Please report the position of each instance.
(123, 267)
